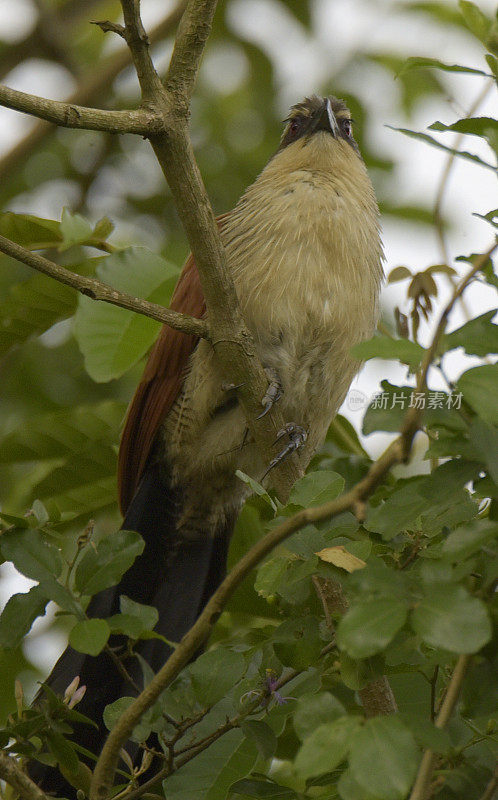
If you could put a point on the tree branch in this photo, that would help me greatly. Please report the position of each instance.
(92, 87)
(421, 788)
(11, 772)
(138, 42)
(97, 290)
(377, 696)
(69, 115)
(353, 500)
(192, 35)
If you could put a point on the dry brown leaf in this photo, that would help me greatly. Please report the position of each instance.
(342, 558)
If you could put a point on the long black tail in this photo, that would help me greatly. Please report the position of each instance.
(177, 577)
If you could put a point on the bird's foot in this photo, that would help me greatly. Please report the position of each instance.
(297, 437)
(273, 393)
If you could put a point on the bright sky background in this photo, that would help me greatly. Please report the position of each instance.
(304, 61)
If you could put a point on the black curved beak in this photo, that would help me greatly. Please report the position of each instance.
(325, 120)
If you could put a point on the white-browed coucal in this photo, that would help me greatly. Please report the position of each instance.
(304, 250)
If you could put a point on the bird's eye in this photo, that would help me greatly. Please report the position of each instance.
(294, 127)
(347, 127)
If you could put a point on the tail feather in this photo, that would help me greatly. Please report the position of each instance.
(176, 576)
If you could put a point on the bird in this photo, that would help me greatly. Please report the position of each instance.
(303, 246)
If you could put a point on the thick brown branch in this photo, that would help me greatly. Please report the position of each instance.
(96, 290)
(69, 115)
(11, 772)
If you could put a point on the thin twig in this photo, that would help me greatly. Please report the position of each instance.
(97, 290)
(489, 792)
(193, 750)
(421, 787)
(138, 42)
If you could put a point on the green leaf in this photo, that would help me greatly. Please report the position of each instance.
(449, 617)
(19, 614)
(342, 434)
(113, 711)
(214, 673)
(484, 438)
(426, 734)
(475, 126)
(367, 628)
(104, 565)
(479, 387)
(113, 339)
(428, 498)
(354, 673)
(103, 229)
(384, 757)
(30, 231)
(147, 615)
(297, 642)
(63, 751)
(31, 554)
(399, 274)
(135, 619)
(467, 540)
(250, 787)
(326, 747)
(270, 575)
(314, 710)
(87, 429)
(256, 487)
(475, 20)
(74, 229)
(492, 218)
(424, 137)
(90, 636)
(350, 789)
(403, 350)
(387, 409)
(210, 774)
(32, 306)
(415, 62)
(479, 336)
(316, 488)
(262, 735)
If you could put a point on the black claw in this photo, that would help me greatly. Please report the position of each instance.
(268, 404)
(297, 437)
(273, 393)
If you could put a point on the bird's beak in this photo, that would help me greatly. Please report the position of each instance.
(325, 120)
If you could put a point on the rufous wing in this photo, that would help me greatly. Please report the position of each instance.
(161, 382)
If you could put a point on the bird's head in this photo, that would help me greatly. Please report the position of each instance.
(315, 115)
(318, 129)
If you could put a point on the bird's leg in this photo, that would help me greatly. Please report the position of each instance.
(274, 391)
(297, 437)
